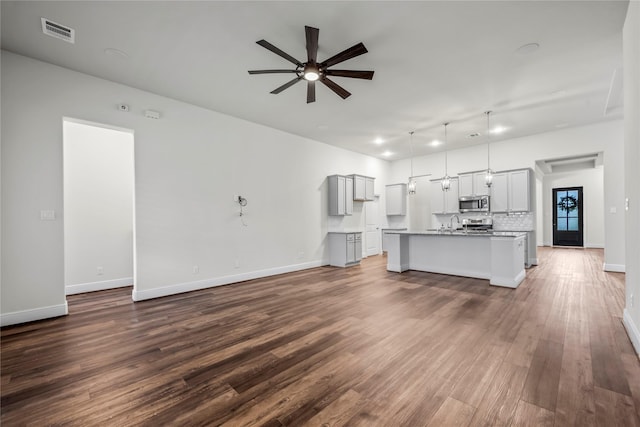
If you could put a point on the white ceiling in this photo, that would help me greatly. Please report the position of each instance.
(434, 62)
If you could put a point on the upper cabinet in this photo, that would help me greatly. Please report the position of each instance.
(519, 194)
(396, 199)
(499, 201)
(444, 202)
(363, 187)
(510, 191)
(340, 195)
(472, 184)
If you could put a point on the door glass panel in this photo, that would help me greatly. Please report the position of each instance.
(573, 224)
(567, 210)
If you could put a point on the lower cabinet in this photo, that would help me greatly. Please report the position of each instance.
(345, 248)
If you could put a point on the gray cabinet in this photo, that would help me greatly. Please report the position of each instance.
(340, 195)
(444, 202)
(500, 193)
(519, 194)
(510, 191)
(473, 184)
(345, 248)
(396, 199)
(363, 188)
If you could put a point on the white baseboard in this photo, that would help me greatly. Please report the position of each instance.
(508, 282)
(632, 330)
(141, 295)
(593, 246)
(30, 315)
(98, 286)
(615, 268)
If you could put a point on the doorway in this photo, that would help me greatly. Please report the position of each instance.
(372, 228)
(568, 217)
(98, 168)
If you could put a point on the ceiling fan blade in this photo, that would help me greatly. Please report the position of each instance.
(312, 43)
(311, 92)
(286, 85)
(352, 52)
(342, 92)
(350, 73)
(265, 44)
(271, 71)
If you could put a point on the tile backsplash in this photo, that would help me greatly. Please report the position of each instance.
(521, 221)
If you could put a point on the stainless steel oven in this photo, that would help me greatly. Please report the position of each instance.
(474, 204)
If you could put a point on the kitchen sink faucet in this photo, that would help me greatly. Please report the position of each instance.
(451, 220)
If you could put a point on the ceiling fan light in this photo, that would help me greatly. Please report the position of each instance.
(311, 76)
(311, 72)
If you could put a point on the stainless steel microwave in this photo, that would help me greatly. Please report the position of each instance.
(474, 204)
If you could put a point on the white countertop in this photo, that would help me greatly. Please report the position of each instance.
(347, 231)
(458, 233)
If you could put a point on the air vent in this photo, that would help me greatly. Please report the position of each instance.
(58, 31)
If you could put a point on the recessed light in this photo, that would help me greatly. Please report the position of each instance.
(116, 52)
(387, 153)
(527, 49)
(435, 143)
(378, 140)
(498, 130)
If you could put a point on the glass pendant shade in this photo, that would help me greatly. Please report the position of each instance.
(412, 186)
(446, 179)
(446, 183)
(488, 178)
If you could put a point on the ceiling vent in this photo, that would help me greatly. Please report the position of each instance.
(58, 31)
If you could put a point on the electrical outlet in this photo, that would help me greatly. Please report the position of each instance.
(300, 254)
(237, 263)
(631, 302)
(99, 271)
(196, 269)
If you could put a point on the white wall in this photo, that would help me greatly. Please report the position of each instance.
(593, 201)
(631, 54)
(188, 166)
(98, 207)
(524, 152)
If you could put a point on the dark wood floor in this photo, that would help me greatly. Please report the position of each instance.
(329, 346)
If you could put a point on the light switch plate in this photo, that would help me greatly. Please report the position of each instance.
(47, 215)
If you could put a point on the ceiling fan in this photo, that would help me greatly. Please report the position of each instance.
(312, 70)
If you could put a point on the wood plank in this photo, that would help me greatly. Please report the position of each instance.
(541, 387)
(532, 415)
(452, 413)
(499, 404)
(339, 412)
(615, 409)
(356, 346)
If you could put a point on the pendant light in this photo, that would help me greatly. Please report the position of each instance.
(488, 178)
(446, 180)
(412, 182)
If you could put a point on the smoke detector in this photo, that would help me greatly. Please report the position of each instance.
(58, 31)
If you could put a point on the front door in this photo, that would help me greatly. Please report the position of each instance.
(567, 216)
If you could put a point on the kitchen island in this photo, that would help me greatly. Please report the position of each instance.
(497, 257)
